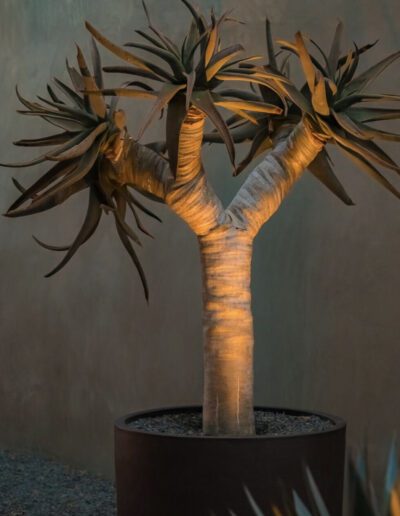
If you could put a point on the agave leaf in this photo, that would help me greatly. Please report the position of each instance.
(89, 226)
(318, 500)
(258, 107)
(141, 207)
(128, 246)
(70, 112)
(197, 18)
(175, 117)
(346, 123)
(54, 139)
(220, 59)
(76, 78)
(395, 503)
(166, 94)
(211, 43)
(53, 96)
(360, 502)
(96, 60)
(68, 125)
(126, 92)
(190, 42)
(360, 51)
(32, 106)
(365, 148)
(76, 99)
(137, 218)
(149, 38)
(270, 45)
(240, 94)
(306, 63)
(319, 100)
(18, 185)
(322, 170)
(297, 98)
(115, 49)
(167, 43)
(45, 203)
(51, 247)
(96, 103)
(80, 148)
(373, 114)
(55, 194)
(300, 508)
(259, 143)
(378, 134)
(367, 167)
(120, 214)
(191, 79)
(391, 476)
(256, 509)
(22, 164)
(324, 57)
(166, 55)
(368, 76)
(204, 101)
(334, 53)
(133, 71)
(57, 171)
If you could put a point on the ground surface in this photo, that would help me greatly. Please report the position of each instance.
(34, 486)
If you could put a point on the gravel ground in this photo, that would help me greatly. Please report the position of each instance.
(267, 423)
(35, 486)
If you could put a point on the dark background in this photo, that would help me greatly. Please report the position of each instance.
(83, 347)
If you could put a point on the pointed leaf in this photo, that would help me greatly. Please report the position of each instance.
(81, 147)
(365, 78)
(220, 59)
(96, 60)
(322, 170)
(306, 63)
(54, 139)
(349, 125)
(89, 226)
(367, 167)
(319, 100)
(133, 71)
(115, 49)
(256, 509)
(191, 79)
(166, 94)
(270, 46)
(334, 53)
(204, 101)
(51, 247)
(96, 102)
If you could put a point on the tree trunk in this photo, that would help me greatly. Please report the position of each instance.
(228, 332)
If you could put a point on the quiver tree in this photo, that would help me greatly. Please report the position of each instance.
(291, 125)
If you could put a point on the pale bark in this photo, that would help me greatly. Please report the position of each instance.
(228, 332)
(225, 240)
(268, 184)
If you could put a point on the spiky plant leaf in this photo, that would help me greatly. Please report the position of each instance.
(91, 128)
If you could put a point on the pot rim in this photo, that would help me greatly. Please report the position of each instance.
(122, 423)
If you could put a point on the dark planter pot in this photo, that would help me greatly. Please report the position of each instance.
(167, 475)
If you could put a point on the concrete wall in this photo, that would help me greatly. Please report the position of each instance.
(83, 347)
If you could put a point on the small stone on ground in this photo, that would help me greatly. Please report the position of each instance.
(34, 486)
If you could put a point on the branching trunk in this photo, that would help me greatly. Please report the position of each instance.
(225, 240)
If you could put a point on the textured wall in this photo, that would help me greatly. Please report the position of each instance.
(81, 348)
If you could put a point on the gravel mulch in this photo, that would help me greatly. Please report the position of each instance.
(35, 486)
(267, 423)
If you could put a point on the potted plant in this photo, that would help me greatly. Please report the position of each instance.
(161, 470)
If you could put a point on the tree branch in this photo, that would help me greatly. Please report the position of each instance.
(268, 184)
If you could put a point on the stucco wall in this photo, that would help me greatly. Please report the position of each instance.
(83, 347)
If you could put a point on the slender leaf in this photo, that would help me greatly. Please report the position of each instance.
(89, 226)
(175, 117)
(334, 53)
(306, 63)
(96, 60)
(321, 169)
(81, 147)
(54, 139)
(204, 101)
(166, 94)
(115, 49)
